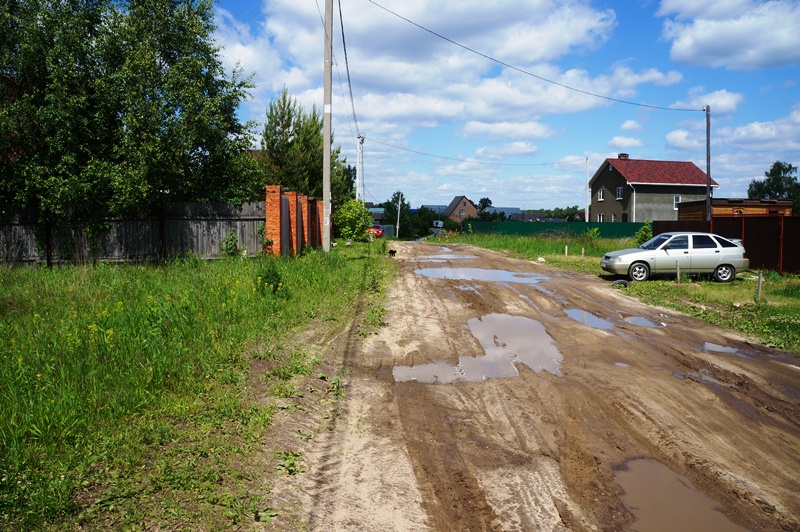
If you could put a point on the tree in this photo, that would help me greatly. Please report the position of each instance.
(483, 203)
(779, 184)
(407, 225)
(352, 219)
(114, 106)
(292, 151)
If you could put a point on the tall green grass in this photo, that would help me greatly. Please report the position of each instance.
(87, 352)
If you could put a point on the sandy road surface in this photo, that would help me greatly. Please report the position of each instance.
(602, 379)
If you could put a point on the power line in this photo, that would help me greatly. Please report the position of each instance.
(347, 67)
(471, 160)
(512, 67)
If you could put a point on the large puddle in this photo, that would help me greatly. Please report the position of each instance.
(662, 500)
(480, 274)
(587, 318)
(506, 341)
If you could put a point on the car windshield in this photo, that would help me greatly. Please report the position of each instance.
(655, 242)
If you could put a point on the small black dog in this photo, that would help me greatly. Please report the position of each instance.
(392, 253)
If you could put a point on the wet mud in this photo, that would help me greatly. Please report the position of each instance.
(505, 395)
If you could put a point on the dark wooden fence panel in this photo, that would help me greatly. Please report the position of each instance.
(186, 228)
(791, 244)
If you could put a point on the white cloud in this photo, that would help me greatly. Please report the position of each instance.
(720, 101)
(631, 125)
(514, 149)
(778, 135)
(738, 34)
(680, 139)
(508, 130)
(624, 143)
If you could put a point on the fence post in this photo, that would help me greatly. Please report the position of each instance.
(272, 222)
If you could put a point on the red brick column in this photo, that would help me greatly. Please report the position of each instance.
(273, 217)
(292, 197)
(320, 219)
(302, 199)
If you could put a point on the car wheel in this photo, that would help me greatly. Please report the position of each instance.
(724, 273)
(639, 271)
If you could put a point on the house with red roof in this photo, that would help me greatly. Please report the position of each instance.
(638, 190)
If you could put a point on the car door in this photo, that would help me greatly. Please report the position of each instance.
(674, 253)
(706, 254)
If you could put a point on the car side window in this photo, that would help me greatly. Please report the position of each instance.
(703, 242)
(726, 243)
(678, 242)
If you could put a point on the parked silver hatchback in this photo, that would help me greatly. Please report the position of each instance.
(690, 251)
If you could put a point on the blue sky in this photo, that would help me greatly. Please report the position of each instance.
(441, 120)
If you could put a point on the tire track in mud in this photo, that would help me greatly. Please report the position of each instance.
(539, 452)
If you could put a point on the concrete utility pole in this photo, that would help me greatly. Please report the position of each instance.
(399, 199)
(360, 169)
(326, 129)
(708, 163)
(586, 212)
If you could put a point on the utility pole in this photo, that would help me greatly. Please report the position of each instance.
(399, 199)
(708, 163)
(586, 211)
(326, 129)
(360, 169)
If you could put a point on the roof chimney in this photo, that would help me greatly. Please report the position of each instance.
(623, 156)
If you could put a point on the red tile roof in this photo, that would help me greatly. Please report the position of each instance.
(660, 172)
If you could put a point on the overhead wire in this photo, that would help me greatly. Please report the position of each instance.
(520, 70)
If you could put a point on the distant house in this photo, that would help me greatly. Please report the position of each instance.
(511, 213)
(438, 209)
(696, 210)
(636, 190)
(460, 209)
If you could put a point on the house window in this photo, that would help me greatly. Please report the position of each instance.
(614, 217)
(600, 217)
(624, 217)
(600, 195)
(676, 201)
(619, 193)
(462, 212)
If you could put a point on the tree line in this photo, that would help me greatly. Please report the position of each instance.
(116, 107)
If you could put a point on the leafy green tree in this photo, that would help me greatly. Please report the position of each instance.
(483, 203)
(779, 184)
(352, 219)
(115, 106)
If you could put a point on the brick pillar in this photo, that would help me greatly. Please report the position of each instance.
(273, 217)
(319, 220)
(302, 199)
(292, 197)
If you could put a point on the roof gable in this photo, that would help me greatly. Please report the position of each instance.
(453, 204)
(645, 172)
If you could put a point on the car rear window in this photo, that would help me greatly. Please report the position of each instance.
(726, 243)
(703, 242)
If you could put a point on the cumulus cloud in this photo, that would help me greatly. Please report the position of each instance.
(779, 135)
(514, 149)
(508, 130)
(680, 139)
(738, 35)
(624, 143)
(631, 125)
(720, 101)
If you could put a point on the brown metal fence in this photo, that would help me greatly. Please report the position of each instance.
(772, 242)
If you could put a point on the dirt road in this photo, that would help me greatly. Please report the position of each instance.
(591, 399)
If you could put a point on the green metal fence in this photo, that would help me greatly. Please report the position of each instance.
(606, 229)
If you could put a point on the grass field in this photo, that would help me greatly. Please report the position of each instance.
(124, 389)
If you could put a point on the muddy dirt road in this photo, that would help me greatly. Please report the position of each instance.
(586, 389)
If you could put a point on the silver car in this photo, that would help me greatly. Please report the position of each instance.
(691, 252)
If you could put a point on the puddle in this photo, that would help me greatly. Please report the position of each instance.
(587, 318)
(443, 258)
(641, 321)
(622, 365)
(703, 376)
(506, 341)
(479, 274)
(709, 347)
(662, 500)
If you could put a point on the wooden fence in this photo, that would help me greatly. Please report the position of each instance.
(184, 229)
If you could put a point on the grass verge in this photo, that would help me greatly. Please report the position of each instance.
(127, 393)
(773, 319)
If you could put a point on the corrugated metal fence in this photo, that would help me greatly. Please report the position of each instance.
(772, 242)
(185, 229)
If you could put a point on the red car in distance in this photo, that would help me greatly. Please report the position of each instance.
(376, 231)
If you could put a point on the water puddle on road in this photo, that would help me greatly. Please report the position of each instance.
(480, 274)
(709, 347)
(587, 318)
(641, 321)
(662, 500)
(445, 257)
(506, 341)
